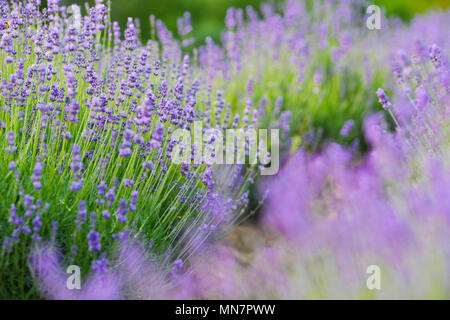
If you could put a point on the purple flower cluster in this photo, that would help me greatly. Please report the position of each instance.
(122, 211)
(11, 143)
(36, 176)
(94, 241)
(383, 99)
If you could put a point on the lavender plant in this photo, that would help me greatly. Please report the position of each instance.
(86, 151)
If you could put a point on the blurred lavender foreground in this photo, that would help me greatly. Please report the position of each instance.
(88, 176)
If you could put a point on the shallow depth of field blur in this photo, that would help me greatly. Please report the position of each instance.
(91, 95)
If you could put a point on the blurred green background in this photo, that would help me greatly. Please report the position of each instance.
(406, 9)
(208, 15)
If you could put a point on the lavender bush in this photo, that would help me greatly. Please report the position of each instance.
(86, 151)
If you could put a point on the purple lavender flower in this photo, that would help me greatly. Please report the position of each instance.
(422, 97)
(102, 188)
(94, 241)
(74, 250)
(134, 200)
(177, 268)
(76, 166)
(122, 211)
(100, 265)
(383, 99)
(106, 214)
(11, 142)
(110, 197)
(82, 213)
(148, 165)
(435, 56)
(36, 176)
(208, 178)
(128, 182)
(157, 136)
(37, 224)
(347, 127)
(124, 152)
(13, 214)
(47, 266)
(12, 166)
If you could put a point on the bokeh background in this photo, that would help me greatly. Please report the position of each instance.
(208, 15)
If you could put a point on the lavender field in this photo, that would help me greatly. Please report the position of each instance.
(318, 131)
